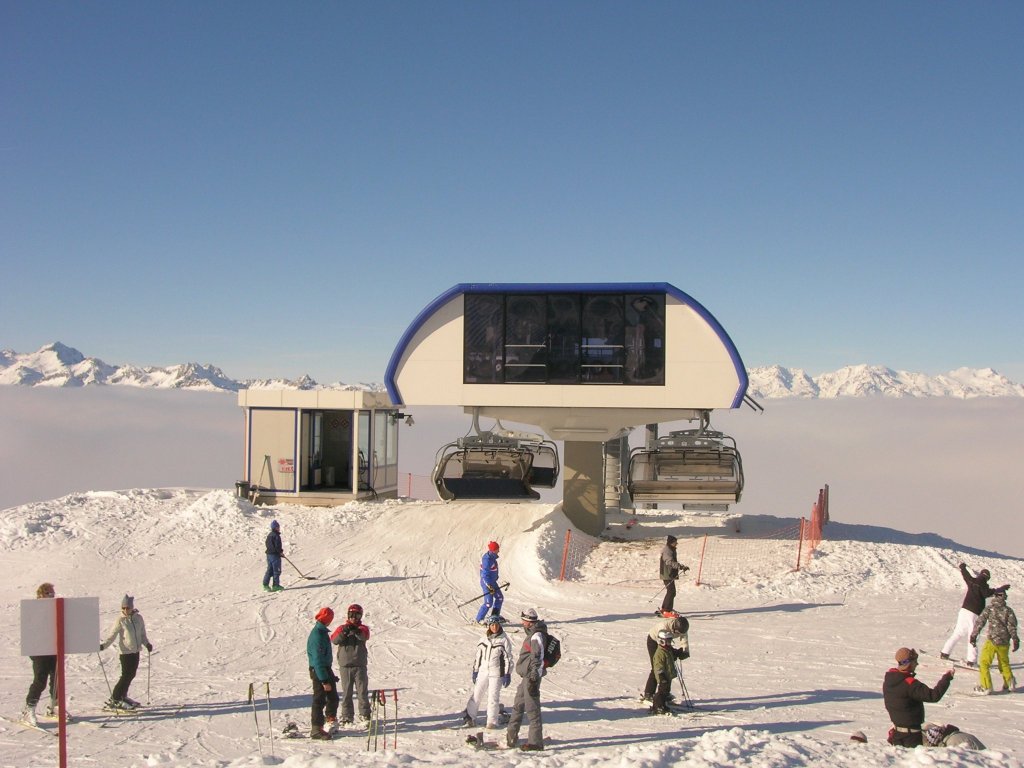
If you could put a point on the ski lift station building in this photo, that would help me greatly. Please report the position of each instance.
(583, 363)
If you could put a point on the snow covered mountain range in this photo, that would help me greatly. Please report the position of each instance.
(57, 365)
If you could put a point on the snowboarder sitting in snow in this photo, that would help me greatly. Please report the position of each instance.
(492, 671)
(493, 598)
(936, 735)
(130, 632)
(1002, 630)
(351, 639)
(275, 551)
(325, 691)
(530, 667)
(669, 571)
(978, 591)
(678, 627)
(663, 667)
(905, 696)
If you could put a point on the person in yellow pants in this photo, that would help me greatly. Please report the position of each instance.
(1002, 631)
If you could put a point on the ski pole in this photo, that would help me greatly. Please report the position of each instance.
(655, 595)
(479, 597)
(148, 665)
(252, 700)
(270, 723)
(369, 725)
(682, 685)
(293, 565)
(106, 680)
(394, 737)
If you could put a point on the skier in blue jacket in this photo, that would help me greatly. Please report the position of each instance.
(493, 598)
(275, 551)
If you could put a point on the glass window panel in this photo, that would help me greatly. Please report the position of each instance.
(526, 338)
(645, 339)
(603, 339)
(483, 318)
(563, 338)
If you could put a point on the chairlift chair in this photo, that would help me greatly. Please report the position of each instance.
(495, 466)
(700, 468)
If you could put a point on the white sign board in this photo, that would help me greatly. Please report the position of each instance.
(39, 626)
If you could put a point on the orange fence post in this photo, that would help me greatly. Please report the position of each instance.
(800, 544)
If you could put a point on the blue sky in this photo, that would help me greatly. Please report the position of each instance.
(278, 189)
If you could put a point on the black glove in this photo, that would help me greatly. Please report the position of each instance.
(963, 565)
(149, 647)
(1016, 644)
(1002, 588)
(682, 653)
(490, 588)
(684, 568)
(974, 639)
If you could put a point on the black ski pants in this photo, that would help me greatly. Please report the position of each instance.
(129, 666)
(670, 596)
(652, 646)
(43, 668)
(325, 703)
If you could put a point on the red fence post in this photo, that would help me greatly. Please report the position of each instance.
(700, 566)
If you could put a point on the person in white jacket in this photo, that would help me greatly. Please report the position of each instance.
(492, 671)
(130, 632)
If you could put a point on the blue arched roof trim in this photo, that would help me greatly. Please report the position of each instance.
(462, 288)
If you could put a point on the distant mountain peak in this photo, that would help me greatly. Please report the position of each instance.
(863, 380)
(58, 365)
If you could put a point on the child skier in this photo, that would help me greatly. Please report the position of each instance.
(492, 671)
(493, 598)
(663, 667)
(678, 626)
(130, 632)
(1002, 630)
(351, 639)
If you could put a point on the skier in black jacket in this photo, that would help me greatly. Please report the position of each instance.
(978, 591)
(905, 697)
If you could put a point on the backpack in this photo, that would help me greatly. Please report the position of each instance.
(552, 650)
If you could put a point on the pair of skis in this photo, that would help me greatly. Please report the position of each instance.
(378, 725)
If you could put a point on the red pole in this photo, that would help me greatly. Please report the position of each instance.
(62, 730)
(565, 554)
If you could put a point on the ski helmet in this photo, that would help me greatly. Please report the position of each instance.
(355, 609)
(529, 615)
(984, 575)
(493, 546)
(665, 637)
(680, 625)
(325, 616)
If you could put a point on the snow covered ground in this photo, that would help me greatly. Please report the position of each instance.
(784, 667)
